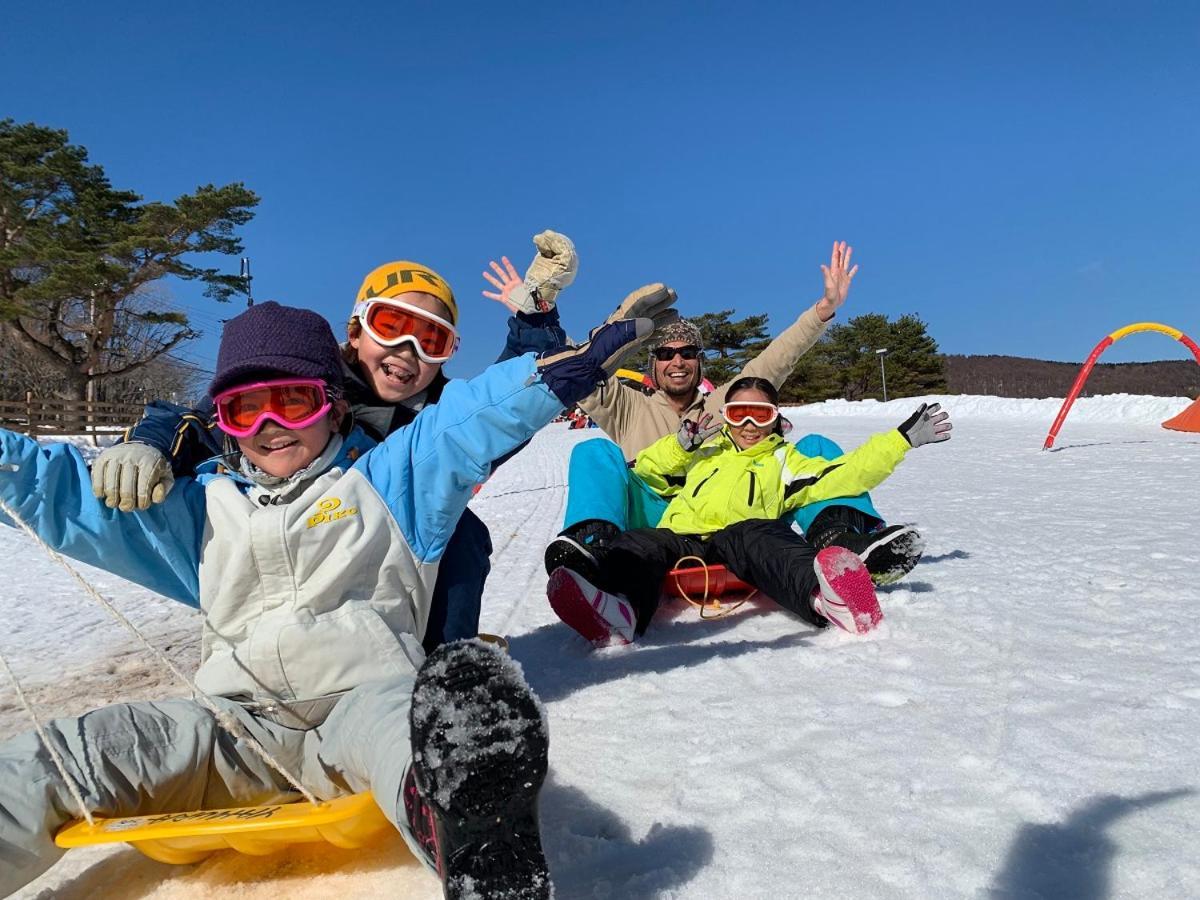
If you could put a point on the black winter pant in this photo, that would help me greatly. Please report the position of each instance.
(763, 552)
(835, 519)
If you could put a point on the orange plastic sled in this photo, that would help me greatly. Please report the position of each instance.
(712, 589)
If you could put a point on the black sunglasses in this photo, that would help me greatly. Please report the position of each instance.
(664, 354)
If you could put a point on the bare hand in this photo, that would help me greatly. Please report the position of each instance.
(838, 275)
(506, 280)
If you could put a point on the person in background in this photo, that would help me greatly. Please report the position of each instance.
(605, 496)
(729, 486)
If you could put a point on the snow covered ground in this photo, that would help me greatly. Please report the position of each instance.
(1022, 725)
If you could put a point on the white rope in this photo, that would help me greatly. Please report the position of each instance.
(58, 763)
(224, 719)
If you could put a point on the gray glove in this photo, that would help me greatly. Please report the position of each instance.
(692, 434)
(131, 476)
(928, 425)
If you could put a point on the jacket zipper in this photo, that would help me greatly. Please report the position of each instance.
(705, 481)
(750, 501)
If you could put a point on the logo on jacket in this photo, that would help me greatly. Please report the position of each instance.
(329, 510)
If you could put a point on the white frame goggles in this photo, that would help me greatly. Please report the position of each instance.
(362, 310)
(759, 404)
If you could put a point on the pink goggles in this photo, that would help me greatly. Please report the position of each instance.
(293, 403)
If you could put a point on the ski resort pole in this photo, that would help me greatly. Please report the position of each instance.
(247, 278)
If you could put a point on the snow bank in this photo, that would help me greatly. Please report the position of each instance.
(1131, 408)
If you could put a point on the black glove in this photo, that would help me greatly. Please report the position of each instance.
(928, 425)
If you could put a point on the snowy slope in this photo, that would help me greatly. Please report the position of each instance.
(1022, 725)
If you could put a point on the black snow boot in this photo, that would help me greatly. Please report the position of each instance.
(889, 553)
(576, 547)
(479, 757)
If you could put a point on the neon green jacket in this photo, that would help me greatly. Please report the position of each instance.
(719, 484)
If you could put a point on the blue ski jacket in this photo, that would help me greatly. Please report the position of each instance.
(314, 587)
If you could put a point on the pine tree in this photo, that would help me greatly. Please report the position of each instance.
(728, 346)
(844, 363)
(76, 256)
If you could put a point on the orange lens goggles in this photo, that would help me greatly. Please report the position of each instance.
(763, 414)
(392, 322)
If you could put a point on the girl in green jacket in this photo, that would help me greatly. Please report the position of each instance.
(730, 484)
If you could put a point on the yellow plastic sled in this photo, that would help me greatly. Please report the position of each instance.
(188, 837)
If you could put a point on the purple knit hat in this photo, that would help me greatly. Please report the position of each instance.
(269, 341)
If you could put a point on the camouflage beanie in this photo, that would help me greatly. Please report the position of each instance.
(680, 330)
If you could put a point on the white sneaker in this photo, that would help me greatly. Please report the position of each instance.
(846, 596)
(599, 616)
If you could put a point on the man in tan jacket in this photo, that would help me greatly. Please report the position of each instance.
(605, 497)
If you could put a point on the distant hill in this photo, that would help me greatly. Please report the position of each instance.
(1015, 376)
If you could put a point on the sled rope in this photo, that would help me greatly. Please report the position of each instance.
(72, 786)
(705, 603)
(224, 719)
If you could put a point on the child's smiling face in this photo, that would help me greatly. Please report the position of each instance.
(397, 373)
(748, 434)
(283, 452)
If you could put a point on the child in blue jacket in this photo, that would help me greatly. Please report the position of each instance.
(402, 330)
(313, 559)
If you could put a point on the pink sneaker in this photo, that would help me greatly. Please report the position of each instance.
(600, 617)
(846, 596)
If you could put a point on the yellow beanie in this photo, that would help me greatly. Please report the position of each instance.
(400, 277)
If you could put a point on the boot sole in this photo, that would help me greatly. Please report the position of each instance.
(575, 610)
(841, 574)
(904, 548)
(480, 750)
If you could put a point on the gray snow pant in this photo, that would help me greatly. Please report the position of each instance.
(170, 756)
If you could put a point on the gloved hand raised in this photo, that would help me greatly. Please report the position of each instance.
(651, 301)
(552, 269)
(573, 373)
(692, 434)
(928, 425)
(131, 476)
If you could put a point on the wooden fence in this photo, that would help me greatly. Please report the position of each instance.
(55, 416)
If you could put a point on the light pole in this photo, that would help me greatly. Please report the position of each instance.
(246, 279)
(882, 371)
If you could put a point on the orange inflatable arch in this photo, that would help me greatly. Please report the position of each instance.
(1188, 420)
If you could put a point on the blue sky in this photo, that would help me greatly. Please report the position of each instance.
(1025, 177)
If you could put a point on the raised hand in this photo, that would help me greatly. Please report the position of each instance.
(512, 291)
(838, 275)
(553, 268)
(693, 433)
(928, 425)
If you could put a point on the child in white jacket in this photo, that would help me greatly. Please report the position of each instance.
(312, 556)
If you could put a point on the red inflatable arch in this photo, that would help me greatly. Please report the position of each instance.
(1188, 420)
